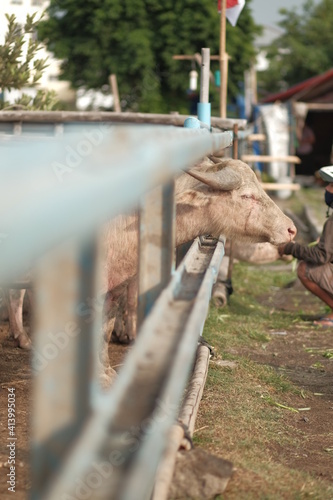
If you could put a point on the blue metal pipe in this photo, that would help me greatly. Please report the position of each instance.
(204, 112)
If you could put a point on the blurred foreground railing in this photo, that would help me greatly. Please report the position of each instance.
(55, 195)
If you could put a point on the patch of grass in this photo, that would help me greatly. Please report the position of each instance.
(247, 412)
(245, 319)
(318, 366)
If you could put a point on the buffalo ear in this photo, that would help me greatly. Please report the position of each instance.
(192, 198)
(225, 179)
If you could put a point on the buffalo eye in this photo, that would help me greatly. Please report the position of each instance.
(248, 197)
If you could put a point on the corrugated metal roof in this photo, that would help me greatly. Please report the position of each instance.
(316, 89)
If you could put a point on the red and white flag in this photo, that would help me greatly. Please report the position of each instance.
(234, 8)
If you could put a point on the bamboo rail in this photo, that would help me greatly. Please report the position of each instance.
(275, 186)
(187, 417)
(269, 159)
(110, 116)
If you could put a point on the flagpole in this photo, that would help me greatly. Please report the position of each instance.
(223, 61)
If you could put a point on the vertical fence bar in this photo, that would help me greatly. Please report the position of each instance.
(204, 107)
(223, 61)
(62, 357)
(235, 156)
(235, 142)
(156, 246)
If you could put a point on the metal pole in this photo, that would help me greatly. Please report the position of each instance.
(235, 156)
(223, 61)
(156, 246)
(235, 142)
(63, 357)
(204, 108)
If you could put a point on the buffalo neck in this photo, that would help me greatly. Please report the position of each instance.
(190, 224)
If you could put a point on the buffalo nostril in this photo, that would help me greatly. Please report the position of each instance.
(292, 231)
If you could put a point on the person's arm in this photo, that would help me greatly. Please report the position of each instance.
(318, 254)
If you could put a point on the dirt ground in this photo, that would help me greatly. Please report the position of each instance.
(15, 373)
(304, 354)
(298, 352)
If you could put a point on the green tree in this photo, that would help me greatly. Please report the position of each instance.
(136, 39)
(304, 50)
(19, 66)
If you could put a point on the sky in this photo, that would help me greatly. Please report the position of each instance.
(267, 11)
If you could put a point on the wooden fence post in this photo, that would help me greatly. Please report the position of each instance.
(115, 93)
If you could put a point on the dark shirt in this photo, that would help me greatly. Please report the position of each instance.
(319, 254)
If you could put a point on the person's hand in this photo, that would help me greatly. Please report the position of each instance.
(281, 249)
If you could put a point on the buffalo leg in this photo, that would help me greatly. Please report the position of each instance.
(14, 301)
(132, 302)
(107, 372)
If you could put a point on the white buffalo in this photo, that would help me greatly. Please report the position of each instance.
(216, 197)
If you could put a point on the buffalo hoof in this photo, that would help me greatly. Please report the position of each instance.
(23, 341)
(123, 338)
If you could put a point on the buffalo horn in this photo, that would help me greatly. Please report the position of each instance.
(223, 180)
(215, 159)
